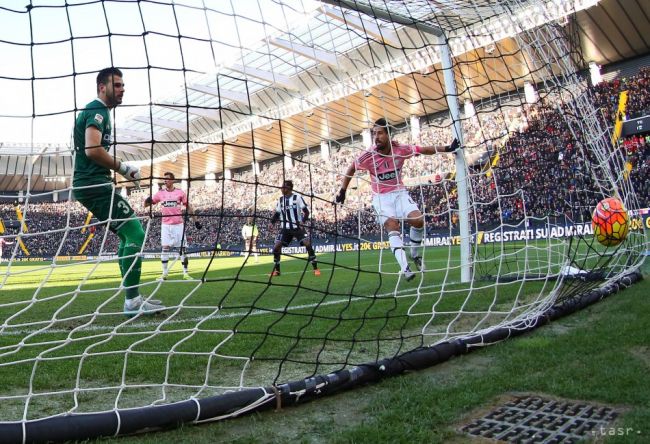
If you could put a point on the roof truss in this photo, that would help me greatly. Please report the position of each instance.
(318, 55)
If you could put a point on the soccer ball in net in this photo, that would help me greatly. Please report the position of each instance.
(610, 222)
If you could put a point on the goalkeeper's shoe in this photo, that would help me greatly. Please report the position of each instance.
(316, 272)
(408, 274)
(275, 273)
(137, 306)
(417, 261)
(187, 277)
(164, 276)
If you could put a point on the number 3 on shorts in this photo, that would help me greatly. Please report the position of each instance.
(123, 206)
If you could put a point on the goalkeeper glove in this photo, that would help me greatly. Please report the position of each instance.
(130, 172)
(453, 147)
(198, 224)
(340, 198)
(148, 201)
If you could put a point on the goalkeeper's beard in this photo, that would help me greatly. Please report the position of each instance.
(113, 101)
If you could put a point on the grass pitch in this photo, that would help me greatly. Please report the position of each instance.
(65, 344)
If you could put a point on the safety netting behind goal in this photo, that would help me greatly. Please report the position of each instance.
(234, 98)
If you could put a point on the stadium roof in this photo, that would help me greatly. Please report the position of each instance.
(328, 77)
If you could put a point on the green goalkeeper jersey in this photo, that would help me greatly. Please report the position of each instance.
(86, 171)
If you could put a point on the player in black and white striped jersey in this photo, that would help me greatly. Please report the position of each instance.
(292, 212)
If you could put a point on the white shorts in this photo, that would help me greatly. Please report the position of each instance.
(171, 235)
(396, 205)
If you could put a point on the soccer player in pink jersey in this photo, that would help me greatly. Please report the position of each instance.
(391, 200)
(172, 200)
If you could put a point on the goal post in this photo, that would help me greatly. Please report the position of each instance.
(461, 166)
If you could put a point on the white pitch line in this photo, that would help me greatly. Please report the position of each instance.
(241, 314)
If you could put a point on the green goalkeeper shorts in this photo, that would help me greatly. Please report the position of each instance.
(106, 205)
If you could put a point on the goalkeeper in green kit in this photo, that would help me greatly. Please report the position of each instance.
(93, 186)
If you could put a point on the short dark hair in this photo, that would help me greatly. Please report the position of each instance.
(169, 173)
(106, 73)
(381, 122)
(287, 184)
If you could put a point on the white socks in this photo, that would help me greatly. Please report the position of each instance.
(416, 240)
(184, 261)
(397, 246)
(164, 258)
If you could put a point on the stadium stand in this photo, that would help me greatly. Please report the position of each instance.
(540, 160)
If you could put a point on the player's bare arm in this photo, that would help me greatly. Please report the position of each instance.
(349, 174)
(429, 150)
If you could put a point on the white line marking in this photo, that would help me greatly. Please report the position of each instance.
(400, 293)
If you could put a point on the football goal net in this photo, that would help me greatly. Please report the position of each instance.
(174, 277)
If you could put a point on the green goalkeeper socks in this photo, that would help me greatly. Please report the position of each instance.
(120, 255)
(131, 237)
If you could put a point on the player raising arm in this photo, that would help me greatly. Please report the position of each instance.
(391, 201)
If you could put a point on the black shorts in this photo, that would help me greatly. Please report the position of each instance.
(286, 236)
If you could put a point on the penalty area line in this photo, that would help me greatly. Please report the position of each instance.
(400, 293)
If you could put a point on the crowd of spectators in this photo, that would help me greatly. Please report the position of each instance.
(638, 101)
(525, 161)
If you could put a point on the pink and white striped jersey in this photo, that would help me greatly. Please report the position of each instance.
(386, 170)
(172, 205)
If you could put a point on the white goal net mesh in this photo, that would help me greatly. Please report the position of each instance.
(234, 98)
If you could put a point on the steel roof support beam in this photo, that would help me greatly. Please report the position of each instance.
(125, 132)
(370, 28)
(267, 76)
(170, 124)
(203, 112)
(385, 15)
(233, 96)
(316, 54)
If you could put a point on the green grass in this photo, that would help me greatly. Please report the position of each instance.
(60, 332)
(600, 355)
